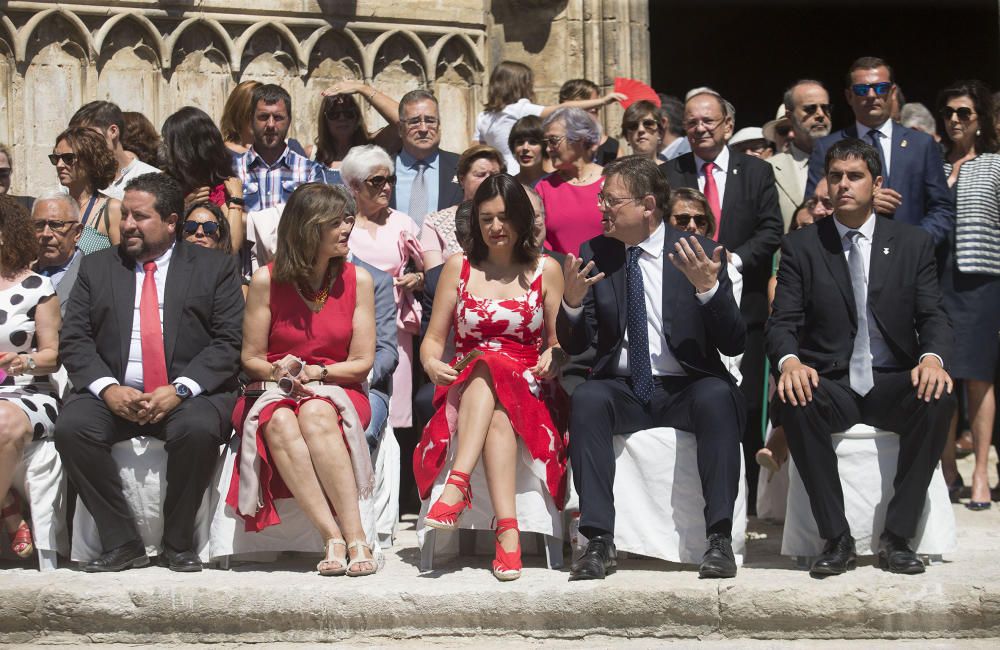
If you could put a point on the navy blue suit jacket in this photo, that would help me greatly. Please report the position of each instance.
(916, 171)
(695, 333)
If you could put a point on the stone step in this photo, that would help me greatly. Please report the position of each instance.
(288, 602)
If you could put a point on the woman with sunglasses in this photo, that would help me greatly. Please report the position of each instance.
(642, 127)
(205, 225)
(387, 239)
(29, 343)
(195, 155)
(309, 334)
(971, 276)
(496, 402)
(85, 165)
(438, 237)
(572, 215)
(341, 124)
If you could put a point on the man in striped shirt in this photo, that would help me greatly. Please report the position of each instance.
(270, 171)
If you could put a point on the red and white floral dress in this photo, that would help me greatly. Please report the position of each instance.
(509, 332)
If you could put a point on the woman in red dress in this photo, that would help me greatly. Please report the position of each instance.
(502, 298)
(310, 327)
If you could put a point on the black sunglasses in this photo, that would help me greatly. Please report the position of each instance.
(210, 228)
(812, 108)
(648, 124)
(340, 114)
(700, 220)
(880, 88)
(68, 158)
(964, 113)
(380, 181)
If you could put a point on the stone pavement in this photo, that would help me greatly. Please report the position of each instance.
(461, 603)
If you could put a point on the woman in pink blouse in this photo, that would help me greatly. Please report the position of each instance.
(387, 239)
(570, 192)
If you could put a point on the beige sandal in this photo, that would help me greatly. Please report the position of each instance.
(361, 559)
(333, 564)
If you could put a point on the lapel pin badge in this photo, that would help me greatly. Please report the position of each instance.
(903, 144)
(885, 251)
(736, 171)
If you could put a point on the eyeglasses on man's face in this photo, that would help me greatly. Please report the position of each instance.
(429, 121)
(55, 225)
(610, 201)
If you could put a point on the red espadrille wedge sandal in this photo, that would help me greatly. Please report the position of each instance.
(445, 516)
(507, 565)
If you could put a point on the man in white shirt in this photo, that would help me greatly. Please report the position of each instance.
(660, 306)
(107, 119)
(859, 334)
(151, 341)
(807, 107)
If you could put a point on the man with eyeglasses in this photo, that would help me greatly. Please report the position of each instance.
(426, 175)
(914, 189)
(659, 304)
(270, 169)
(741, 192)
(807, 107)
(56, 218)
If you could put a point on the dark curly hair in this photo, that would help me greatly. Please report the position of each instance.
(982, 100)
(92, 153)
(520, 215)
(20, 246)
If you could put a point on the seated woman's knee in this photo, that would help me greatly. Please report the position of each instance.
(282, 428)
(500, 423)
(14, 429)
(317, 418)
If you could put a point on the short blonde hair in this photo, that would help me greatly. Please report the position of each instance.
(309, 209)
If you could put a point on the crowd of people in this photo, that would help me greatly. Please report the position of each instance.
(211, 280)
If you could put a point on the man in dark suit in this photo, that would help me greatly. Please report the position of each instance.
(914, 189)
(151, 342)
(859, 334)
(661, 308)
(426, 175)
(742, 193)
(56, 218)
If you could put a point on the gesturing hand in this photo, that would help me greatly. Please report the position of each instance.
(576, 281)
(701, 270)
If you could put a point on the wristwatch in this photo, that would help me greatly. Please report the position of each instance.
(323, 373)
(183, 392)
(30, 362)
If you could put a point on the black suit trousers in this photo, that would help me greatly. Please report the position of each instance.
(891, 405)
(709, 407)
(192, 433)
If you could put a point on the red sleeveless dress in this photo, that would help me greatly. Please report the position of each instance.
(321, 338)
(509, 332)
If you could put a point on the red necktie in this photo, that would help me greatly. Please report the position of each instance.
(154, 361)
(712, 194)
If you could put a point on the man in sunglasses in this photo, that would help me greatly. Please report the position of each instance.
(426, 175)
(807, 109)
(914, 189)
(56, 218)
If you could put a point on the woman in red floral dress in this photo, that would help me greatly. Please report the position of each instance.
(502, 298)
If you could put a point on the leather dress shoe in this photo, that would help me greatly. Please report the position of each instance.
(597, 561)
(896, 556)
(839, 556)
(718, 561)
(182, 561)
(127, 556)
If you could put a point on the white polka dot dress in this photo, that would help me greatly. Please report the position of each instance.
(32, 394)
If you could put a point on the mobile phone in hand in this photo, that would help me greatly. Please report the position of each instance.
(467, 359)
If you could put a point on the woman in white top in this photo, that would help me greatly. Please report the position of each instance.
(510, 98)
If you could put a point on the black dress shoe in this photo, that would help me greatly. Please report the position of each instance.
(896, 556)
(718, 561)
(839, 556)
(183, 561)
(126, 556)
(597, 561)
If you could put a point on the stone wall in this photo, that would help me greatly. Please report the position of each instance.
(155, 57)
